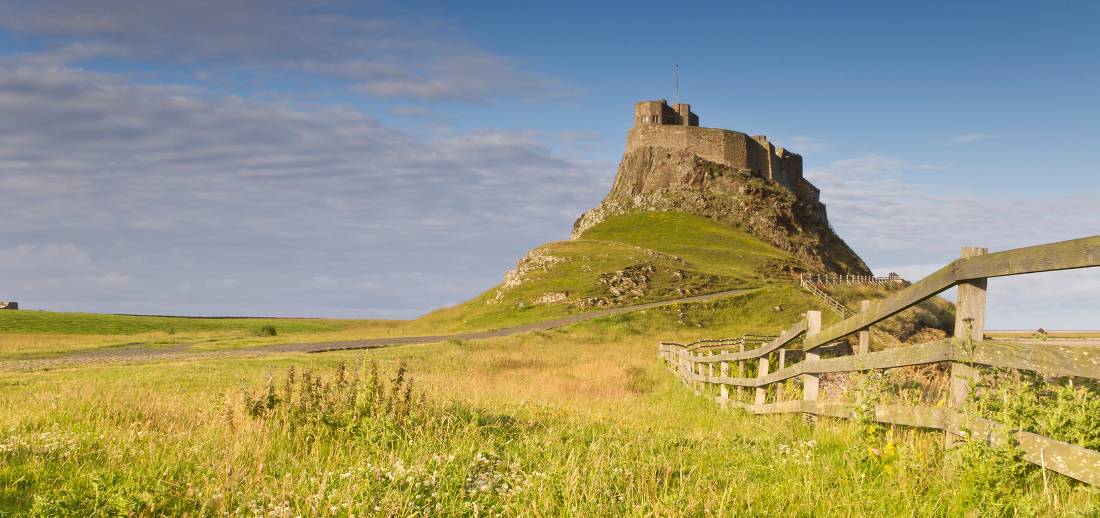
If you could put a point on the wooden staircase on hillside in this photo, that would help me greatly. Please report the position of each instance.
(810, 284)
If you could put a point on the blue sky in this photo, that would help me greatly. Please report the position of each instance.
(384, 159)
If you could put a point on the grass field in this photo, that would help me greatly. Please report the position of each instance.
(580, 421)
(32, 334)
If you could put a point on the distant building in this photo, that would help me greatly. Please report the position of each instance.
(9, 305)
(657, 124)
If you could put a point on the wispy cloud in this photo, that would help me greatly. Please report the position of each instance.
(410, 111)
(374, 55)
(172, 186)
(970, 137)
(802, 144)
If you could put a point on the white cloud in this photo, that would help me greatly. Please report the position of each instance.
(321, 281)
(372, 54)
(54, 257)
(222, 283)
(410, 111)
(802, 144)
(970, 137)
(112, 280)
(866, 165)
(580, 137)
(174, 187)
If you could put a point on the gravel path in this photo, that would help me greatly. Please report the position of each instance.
(137, 354)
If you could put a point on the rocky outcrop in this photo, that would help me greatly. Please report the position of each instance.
(536, 260)
(659, 179)
(645, 280)
(553, 297)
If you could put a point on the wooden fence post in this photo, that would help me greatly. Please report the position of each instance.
(762, 391)
(681, 364)
(685, 367)
(865, 335)
(723, 389)
(710, 371)
(810, 381)
(697, 371)
(969, 328)
(741, 374)
(970, 306)
(779, 386)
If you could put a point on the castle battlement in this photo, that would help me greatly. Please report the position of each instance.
(656, 124)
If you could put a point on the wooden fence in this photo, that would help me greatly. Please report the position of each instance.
(770, 392)
(851, 280)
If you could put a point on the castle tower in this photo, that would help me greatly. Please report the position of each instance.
(660, 113)
(683, 112)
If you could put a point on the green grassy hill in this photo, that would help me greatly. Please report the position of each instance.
(628, 259)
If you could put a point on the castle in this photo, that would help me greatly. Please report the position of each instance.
(657, 124)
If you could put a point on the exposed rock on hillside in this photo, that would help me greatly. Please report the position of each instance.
(636, 282)
(658, 179)
(536, 260)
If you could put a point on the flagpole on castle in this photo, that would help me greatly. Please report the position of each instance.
(677, 84)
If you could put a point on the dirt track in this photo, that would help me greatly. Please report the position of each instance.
(182, 352)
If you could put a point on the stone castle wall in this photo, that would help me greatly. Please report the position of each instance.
(656, 124)
(727, 147)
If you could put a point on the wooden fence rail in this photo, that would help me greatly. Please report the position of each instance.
(729, 363)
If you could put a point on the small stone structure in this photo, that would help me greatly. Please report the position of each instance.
(656, 124)
(9, 305)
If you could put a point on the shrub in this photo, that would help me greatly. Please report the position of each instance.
(350, 400)
(1060, 409)
(267, 330)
